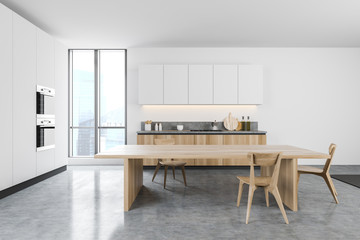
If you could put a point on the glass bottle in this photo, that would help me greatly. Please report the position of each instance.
(248, 124)
(243, 127)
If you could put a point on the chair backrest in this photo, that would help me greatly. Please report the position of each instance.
(170, 141)
(332, 149)
(265, 160)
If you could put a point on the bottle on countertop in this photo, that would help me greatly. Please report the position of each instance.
(243, 125)
(160, 127)
(156, 127)
(248, 124)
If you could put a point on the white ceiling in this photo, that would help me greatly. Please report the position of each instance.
(196, 23)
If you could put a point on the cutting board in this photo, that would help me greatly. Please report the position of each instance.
(230, 122)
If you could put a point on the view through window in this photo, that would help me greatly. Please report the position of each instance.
(97, 101)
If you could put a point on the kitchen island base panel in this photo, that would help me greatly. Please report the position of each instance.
(287, 183)
(133, 181)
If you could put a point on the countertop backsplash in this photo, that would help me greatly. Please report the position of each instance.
(193, 125)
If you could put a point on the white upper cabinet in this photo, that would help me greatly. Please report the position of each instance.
(225, 84)
(6, 97)
(151, 84)
(45, 59)
(250, 84)
(201, 82)
(24, 99)
(176, 84)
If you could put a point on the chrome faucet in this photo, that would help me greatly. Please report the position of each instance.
(213, 125)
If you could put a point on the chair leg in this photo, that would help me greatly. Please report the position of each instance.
(156, 170)
(183, 173)
(276, 194)
(250, 198)
(166, 168)
(241, 183)
(330, 184)
(266, 190)
(173, 172)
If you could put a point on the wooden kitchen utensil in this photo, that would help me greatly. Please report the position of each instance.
(230, 122)
(239, 126)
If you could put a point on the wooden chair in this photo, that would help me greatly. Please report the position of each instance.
(268, 183)
(322, 172)
(168, 163)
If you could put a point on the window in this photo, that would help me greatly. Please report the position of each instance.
(97, 101)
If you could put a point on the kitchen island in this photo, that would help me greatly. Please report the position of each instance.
(133, 156)
(203, 137)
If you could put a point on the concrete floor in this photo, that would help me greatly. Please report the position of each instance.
(87, 203)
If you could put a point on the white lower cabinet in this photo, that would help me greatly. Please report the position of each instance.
(24, 99)
(201, 84)
(45, 161)
(6, 97)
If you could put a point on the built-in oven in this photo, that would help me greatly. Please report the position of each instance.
(45, 118)
(45, 100)
(45, 133)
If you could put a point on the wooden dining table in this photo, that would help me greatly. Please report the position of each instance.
(133, 156)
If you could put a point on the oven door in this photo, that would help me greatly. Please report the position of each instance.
(45, 134)
(45, 100)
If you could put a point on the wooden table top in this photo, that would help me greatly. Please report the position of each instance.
(205, 151)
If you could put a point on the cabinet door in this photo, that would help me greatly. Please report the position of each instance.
(6, 97)
(24, 99)
(45, 160)
(201, 83)
(61, 100)
(250, 84)
(185, 140)
(151, 84)
(242, 140)
(225, 84)
(45, 59)
(176, 78)
(179, 140)
(208, 140)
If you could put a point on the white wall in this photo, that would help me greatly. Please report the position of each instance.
(311, 95)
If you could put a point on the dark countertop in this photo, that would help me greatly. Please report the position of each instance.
(210, 132)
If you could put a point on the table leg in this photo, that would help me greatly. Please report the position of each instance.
(287, 183)
(133, 181)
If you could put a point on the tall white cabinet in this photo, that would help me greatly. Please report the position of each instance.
(24, 99)
(6, 97)
(61, 113)
(45, 76)
(28, 57)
